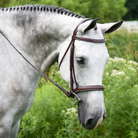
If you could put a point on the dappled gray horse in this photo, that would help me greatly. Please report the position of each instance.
(42, 34)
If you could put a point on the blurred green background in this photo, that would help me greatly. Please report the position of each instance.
(106, 10)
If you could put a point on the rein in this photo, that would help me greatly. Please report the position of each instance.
(73, 91)
(61, 88)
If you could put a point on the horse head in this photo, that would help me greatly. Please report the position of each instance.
(89, 61)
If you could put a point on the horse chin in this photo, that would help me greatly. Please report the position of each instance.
(90, 122)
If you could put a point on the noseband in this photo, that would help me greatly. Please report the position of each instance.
(78, 88)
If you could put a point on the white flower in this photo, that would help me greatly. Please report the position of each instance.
(127, 78)
(68, 109)
(120, 60)
(111, 59)
(117, 73)
(67, 113)
(58, 72)
(133, 63)
(136, 86)
(71, 110)
(114, 71)
(109, 64)
(132, 69)
(63, 111)
(107, 74)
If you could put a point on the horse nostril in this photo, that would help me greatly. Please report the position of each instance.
(94, 122)
(104, 116)
(90, 124)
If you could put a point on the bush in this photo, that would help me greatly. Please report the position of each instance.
(44, 117)
(121, 100)
(120, 80)
(53, 115)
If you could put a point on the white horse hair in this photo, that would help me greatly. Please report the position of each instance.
(42, 34)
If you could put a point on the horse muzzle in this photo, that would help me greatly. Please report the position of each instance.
(90, 119)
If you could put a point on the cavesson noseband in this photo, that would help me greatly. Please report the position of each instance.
(78, 88)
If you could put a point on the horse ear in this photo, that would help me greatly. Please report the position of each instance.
(110, 27)
(91, 25)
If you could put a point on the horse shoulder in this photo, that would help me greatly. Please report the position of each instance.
(16, 92)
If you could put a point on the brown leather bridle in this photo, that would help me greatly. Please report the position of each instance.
(73, 91)
(78, 88)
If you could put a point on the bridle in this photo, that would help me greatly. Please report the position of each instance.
(78, 88)
(73, 91)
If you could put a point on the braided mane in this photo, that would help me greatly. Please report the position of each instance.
(43, 8)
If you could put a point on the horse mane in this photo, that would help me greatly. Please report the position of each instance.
(43, 8)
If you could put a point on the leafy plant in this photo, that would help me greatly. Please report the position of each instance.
(120, 79)
(44, 117)
(53, 115)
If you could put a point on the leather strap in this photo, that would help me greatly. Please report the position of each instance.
(89, 40)
(72, 71)
(89, 88)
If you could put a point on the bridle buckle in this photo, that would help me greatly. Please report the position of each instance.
(78, 99)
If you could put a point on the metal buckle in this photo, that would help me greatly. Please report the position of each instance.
(78, 99)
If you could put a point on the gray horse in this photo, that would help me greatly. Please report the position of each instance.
(42, 34)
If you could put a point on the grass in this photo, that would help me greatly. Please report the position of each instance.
(123, 44)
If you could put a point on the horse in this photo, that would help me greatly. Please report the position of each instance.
(41, 34)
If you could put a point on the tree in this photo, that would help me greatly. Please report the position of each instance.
(4, 3)
(132, 6)
(106, 10)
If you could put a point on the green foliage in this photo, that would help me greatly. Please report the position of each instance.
(52, 114)
(44, 118)
(106, 10)
(120, 79)
(132, 13)
(121, 100)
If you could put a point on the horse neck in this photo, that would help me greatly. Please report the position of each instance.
(36, 34)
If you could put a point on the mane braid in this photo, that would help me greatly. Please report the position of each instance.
(43, 8)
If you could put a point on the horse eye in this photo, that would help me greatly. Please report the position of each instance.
(80, 60)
